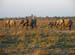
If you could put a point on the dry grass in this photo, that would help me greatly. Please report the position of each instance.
(38, 41)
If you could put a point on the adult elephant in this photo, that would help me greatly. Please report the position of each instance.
(10, 23)
(68, 23)
(24, 23)
(29, 22)
(63, 23)
(59, 23)
(52, 24)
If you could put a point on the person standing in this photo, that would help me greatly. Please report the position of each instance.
(33, 21)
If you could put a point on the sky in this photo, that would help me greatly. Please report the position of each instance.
(22, 8)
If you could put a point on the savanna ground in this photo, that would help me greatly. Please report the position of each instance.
(42, 40)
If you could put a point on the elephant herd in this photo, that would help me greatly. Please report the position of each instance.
(62, 23)
(59, 23)
(23, 22)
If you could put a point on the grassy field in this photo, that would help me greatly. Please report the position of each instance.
(38, 41)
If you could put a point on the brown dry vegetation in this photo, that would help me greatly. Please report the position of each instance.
(38, 41)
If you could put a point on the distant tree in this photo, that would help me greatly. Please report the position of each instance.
(47, 17)
(56, 17)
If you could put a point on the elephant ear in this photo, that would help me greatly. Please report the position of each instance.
(66, 21)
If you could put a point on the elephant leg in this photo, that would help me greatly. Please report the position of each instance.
(70, 27)
(57, 26)
(35, 26)
(62, 26)
(23, 25)
(9, 25)
(32, 26)
(27, 26)
(51, 26)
